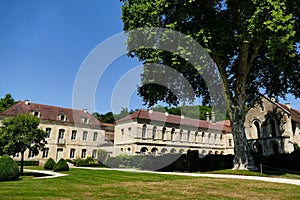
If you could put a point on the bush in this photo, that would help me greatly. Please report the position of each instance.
(8, 169)
(49, 164)
(61, 165)
(28, 163)
(88, 162)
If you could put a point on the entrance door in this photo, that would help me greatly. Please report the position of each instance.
(59, 154)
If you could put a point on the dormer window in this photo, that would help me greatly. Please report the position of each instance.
(36, 113)
(62, 118)
(85, 120)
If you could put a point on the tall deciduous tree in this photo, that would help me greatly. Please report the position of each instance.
(252, 42)
(19, 133)
(6, 102)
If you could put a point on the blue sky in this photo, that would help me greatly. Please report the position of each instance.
(44, 43)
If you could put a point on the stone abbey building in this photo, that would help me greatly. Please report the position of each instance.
(272, 127)
(156, 133)
(71, 133)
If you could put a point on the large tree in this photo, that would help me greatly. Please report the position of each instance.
(19, 133)
(6, 102)
(252, 42)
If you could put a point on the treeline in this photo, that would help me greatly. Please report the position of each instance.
(195, 112)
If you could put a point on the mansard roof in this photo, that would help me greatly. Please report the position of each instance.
(52, 113)
(175, 119)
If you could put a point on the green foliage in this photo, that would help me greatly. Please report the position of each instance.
(20, 133)
(8, 169)
(28, 163)
(125, 161)
(61, 165)
(49, 164)
(105, 118)
(88, 162)
(6, 102)
(102, 155)
(253, 44)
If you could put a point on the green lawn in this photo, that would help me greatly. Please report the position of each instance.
(103, 184)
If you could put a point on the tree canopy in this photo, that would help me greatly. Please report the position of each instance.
(6, 102)
(254, 44)
(19, 133)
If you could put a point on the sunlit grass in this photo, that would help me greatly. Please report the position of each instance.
(107, 184)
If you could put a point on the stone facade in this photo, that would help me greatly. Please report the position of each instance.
(71, 133)
(150, 132)
(272, 127)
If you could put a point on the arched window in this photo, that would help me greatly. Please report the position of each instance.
(144, 150)
(154, 131)
(257, 127)
(180, 135)
(196, 135)
(275, 147)
(163, 133)
(188, 136)
(154, 151)
(164, 151)
(273, 127)
(172, 134)
(144, 130)
(173, 151)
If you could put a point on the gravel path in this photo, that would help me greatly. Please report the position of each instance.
(255, 178)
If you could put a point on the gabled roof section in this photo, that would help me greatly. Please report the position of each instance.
(295, 114)
(52, 113)
(175, 119)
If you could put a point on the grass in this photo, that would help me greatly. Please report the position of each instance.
(103, 184)
(266, 173)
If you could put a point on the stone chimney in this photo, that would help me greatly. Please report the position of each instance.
(26, 102)
(166, 114)
(207, 116)
(182, 116)
(151, 111)
(85, 110)
(288, 105)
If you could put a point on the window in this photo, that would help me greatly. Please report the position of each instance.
(180, 135)
(163, 137)
(188, 136)
(31, 154)
(36, 114)
(144, 131)
(85, 120)
(72, 153)
(95, 137)
(154, 130)
(122, 131)
(73, 136)
(62, 118)
(61, 134)
(257, 126)
(172, 134)
(84, 136)
(45, 152)
(17, 155)
(83, 153)
(48, 131)
(94, 153)
(196, 134)
(230, 142)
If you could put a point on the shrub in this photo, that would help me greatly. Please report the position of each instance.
(8, 169)
(28, 163)
(88, 162)
(49, 164)
(61, 165)
(102, 155)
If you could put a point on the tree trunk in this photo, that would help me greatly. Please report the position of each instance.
(22, 163)
(242, 157)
